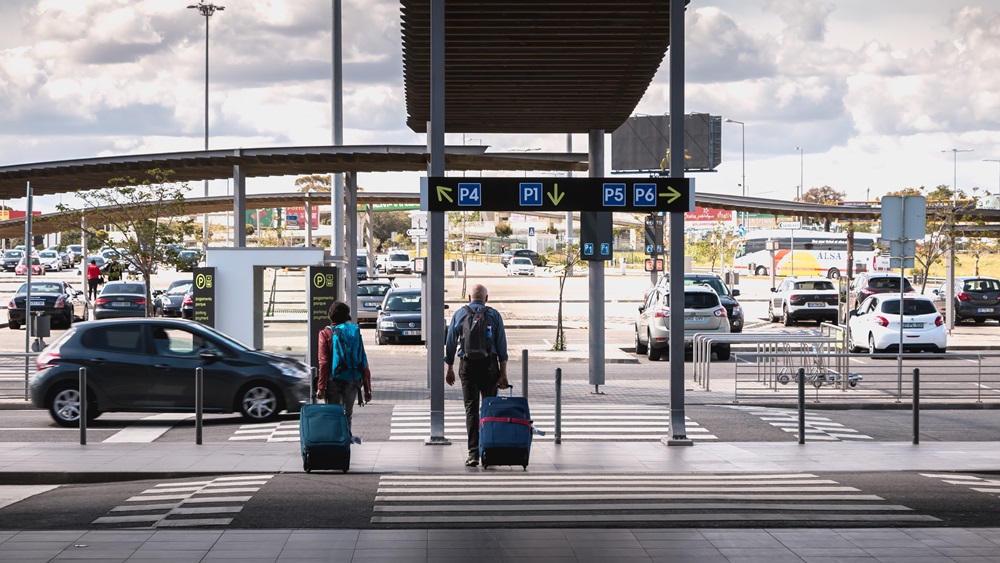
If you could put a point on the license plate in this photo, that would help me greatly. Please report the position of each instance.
(984, 310)
(121, 304)
(37, 303)
(815, 304)
(411, 333)
(695, 319)
(913, 325)
(370, 304)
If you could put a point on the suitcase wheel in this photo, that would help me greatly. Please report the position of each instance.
(305, 463)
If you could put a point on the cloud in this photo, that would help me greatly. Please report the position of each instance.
(805, 20)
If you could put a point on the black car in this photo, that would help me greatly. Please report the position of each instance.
(399, 317)
(121, 299)
(11, 258)
(726, 296)
(977, 298)
(56, 299)
(521, 253)
(869, 283)
(168, 303)
(148, 365)
(187, 260)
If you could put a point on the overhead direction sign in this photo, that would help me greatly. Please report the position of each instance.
(645, 195)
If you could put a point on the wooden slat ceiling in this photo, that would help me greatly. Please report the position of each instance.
(535, 66)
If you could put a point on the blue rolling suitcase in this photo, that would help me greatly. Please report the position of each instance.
(504, 431)
(324, 437)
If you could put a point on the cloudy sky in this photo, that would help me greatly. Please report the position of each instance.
(876, 93)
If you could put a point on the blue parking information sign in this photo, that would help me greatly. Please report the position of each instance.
(644, 195)
(470, 194)
(588, 249)
(613, 195)
(530, 194)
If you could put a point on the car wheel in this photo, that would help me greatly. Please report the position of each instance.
(652, 354)
(64, 407)
(786, 319)
(380, 340)
(723, 352)
(770, 312)
(259, 403)
(833, 274)
(871, 345)
(13, 325)
(640, 348)
(851, 346)
(67, 321)
(760, 271)
(980, 320)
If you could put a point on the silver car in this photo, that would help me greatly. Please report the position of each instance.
(370, 295)
(703, 312)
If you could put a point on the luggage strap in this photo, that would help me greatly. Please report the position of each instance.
(521, 421)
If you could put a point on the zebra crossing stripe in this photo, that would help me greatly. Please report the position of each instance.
(591, 422)
(567, 499)
(218, 496)
(817, 427)
(974, 483)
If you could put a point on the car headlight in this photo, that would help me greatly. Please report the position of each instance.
(290, 369)
(387, 325)
(737, 310)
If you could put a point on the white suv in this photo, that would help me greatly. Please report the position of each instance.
(801, 298)
(398, 262)
(703, 312)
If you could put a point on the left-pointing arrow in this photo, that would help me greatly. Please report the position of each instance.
(442, 193)
(671, 194)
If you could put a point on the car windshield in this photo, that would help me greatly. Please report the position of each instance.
(888, 284)
(34, 260)
(910, 307)
(714, 283)
(981, 285)
(399, 257)
(48, 254)
(43, 287)
(814, 285)
(180, 289)
(187, 254)
(521, 261)
(403, 302)
(13, 254)
(125, 287)
(373, 290)
(362, 261)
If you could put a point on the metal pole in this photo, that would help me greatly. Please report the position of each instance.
(204, 232)
(29, 248)
(83, 406)
(916, 405)
(569, 214)
(524, 373)
(678, 429)
(595, 279)
(802, 405)
(558, 437)
(199, 400)
(313, 375)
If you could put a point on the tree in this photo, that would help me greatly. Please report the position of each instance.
(720, 242)
(980, 246)
(460, 220)
(314, 183)
(569, 261)
(824, 195)
(503, 230)
(155, 218)
(385, 223)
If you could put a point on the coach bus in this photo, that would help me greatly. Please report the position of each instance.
(804, 253)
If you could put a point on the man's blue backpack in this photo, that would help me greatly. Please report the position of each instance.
(347, 353)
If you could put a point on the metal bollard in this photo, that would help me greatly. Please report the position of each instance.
(916, 406)
(199, 400)
(558, 413)
(802, 405)
(524, 373)
(83, 406)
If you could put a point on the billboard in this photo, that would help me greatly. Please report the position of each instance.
(300, 217)
(641, 143)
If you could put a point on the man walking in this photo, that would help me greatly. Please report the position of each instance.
(476, 333)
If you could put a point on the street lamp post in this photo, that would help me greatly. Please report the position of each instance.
(950, 258)
(743, 151)
(206, 10)
(799, 192)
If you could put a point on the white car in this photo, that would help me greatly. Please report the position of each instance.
(703, 312)
(398, 263)
(51, 260)
(520, 267)
(874, 326)
(802, 298)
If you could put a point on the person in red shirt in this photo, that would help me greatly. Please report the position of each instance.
(93, 278)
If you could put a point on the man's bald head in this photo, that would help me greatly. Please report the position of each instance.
(479, 293)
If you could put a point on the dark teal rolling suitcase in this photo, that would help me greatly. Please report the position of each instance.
(324, 437)
(504, 431)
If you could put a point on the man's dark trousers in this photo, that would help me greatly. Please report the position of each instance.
(479, 379)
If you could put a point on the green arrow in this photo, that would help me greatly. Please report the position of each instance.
(671, 194)
(443, 192)
(554, 196)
